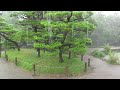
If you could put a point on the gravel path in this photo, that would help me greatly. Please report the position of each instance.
(10, 71)
(99, 70)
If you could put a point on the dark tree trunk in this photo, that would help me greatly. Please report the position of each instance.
(44, 50)
(14, 42)
(82, 57)
(60, 55)
(69, 53)
(18, 48)
(38, 51)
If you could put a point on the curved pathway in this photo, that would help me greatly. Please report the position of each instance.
(8, 70)
(99, 70)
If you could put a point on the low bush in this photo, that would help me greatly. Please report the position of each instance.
(107, 48)
(98, 54)
(113, 58)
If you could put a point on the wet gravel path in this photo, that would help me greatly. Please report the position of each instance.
(8, 70)
(99, 70)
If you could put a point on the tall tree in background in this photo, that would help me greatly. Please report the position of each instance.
(107, 31)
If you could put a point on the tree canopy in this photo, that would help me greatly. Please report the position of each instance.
(50, 30)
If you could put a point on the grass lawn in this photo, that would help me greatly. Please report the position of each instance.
(46, 64)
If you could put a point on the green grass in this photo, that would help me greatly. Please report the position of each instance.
(46, 64)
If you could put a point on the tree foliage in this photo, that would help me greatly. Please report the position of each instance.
(53, 30)
(8, 31)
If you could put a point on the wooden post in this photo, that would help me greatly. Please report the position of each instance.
(88, 62)
(66, 71)
(34, 69)
(82, 57)
(16, 61)
(85, 66)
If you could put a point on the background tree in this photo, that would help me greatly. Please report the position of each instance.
(107, 31)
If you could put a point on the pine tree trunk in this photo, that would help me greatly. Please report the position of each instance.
(14, 42)
(38, 50)
(69, 55)
(44, 50)
(18, 48)
(82, 57)
(60, 55)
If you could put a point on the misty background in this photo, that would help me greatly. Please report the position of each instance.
(107, 27)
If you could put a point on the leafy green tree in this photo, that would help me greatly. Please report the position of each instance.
(31, 21)
(57, 30)
(62, 23)
(7, 31)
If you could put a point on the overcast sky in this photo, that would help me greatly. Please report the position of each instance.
(109, 12)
